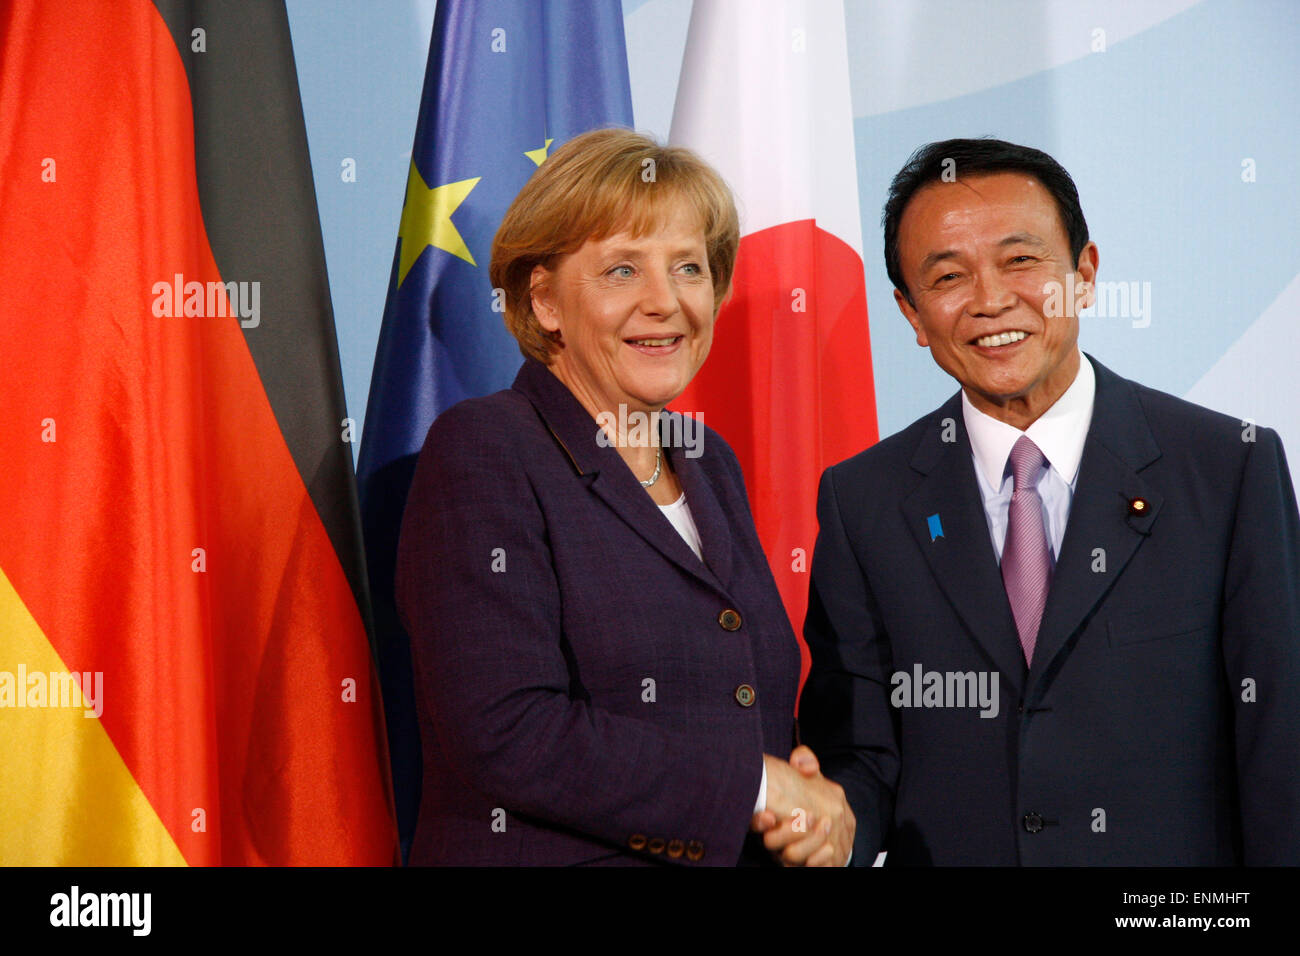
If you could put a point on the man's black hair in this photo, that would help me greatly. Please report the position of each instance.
(969, 157)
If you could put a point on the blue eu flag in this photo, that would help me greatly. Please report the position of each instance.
(508, 81)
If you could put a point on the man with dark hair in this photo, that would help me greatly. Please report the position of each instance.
(940, 161)
(1057, 620)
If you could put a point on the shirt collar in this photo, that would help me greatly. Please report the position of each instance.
(1059, 432)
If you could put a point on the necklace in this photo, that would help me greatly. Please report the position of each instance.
(659, 464)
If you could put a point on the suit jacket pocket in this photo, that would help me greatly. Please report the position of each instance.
(1160, 622)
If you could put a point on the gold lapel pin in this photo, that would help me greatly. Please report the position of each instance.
(1138, 507)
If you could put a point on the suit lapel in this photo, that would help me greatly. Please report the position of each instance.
(1118, 446)
(710, 520)
(575, 431)
(962, 560)
(626, 498)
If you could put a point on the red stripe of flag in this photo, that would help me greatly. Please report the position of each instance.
(224, 688)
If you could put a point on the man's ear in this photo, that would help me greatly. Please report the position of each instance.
(539, 291)
(1086, 267)
(914, 320)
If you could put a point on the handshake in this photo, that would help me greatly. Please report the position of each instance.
(807, 821)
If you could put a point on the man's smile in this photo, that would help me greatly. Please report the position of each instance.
(1000, 341)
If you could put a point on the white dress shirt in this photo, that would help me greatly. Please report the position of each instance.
(1059, 434)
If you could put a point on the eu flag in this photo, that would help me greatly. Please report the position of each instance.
(507, 82)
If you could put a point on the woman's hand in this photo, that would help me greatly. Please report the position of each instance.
(807, 821)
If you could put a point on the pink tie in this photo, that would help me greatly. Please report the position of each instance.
(1026, 564)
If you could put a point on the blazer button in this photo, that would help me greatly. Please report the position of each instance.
(656, 845)
(730, 620)
(676, 848)
(636, 841)
(745, 695)
(1033, 822)
(695, 850)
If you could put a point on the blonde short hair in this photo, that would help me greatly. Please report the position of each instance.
(595, 186)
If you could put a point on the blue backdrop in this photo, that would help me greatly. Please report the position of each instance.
(1176, 118)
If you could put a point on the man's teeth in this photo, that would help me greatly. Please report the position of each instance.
(668, 341)
(1002, 338)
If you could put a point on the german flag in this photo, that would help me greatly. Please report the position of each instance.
(185, 675)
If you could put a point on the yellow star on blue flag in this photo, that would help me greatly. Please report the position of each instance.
(426, 220)
(539, 155)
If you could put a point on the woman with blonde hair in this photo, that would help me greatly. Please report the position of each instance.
(604, 670)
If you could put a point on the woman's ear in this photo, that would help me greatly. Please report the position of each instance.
(539, 291)
(724, 298)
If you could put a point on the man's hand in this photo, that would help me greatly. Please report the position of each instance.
(807, 821)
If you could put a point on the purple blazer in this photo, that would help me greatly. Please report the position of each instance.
(589, 691)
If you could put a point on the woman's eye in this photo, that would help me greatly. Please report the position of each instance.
(623, 272)
(693, 268)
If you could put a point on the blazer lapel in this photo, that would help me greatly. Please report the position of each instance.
(1100, 527)
(710, 519)
(627, 499)
(575, 431)
(962, 559)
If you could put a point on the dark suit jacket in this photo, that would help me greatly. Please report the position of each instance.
(576, 676)
(1160, 721)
